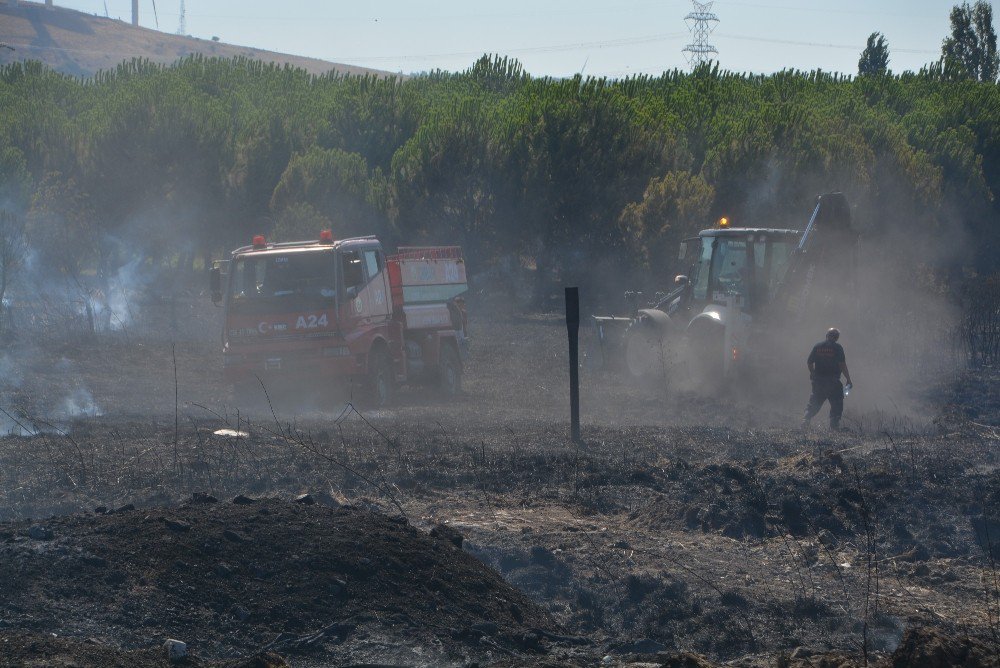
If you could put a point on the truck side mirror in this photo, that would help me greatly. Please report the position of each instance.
(680, 279)
(215, 284)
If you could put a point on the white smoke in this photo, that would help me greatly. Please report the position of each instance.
(114, 310)
(11, 378)
(43, 297)
(15, 425)
(113, 307)
(30, 414)
(80, 403)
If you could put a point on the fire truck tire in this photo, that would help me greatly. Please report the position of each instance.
(449, 371)
(380, 383)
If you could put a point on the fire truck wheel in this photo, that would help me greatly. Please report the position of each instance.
(449, 371)
(380, 377)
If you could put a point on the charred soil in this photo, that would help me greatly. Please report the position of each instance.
(253, 575)
(681, 532)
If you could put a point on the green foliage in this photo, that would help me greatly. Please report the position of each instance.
(12, 252)
(875, 58)
(300, 221)
(62, 227)
(672, 207)
(14, 179)
(329, 186)
(574, 176)
(970, 52)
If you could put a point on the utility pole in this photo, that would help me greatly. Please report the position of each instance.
(182, 25)
(135, 12)
(700, 23)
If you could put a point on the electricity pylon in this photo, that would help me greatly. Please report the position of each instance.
(700, 22)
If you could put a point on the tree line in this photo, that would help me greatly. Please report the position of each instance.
(968, 52)
(579, 179)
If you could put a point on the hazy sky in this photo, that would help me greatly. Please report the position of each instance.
(558, 37)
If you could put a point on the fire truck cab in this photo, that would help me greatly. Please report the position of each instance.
(341, 310)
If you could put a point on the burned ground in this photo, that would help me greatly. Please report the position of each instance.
(679, 525)
(266, 574)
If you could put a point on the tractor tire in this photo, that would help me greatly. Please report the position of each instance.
(706, 358)
(449, 372)
(380, 384)
(646, 350)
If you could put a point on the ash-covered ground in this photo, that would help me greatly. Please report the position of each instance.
(684, 530)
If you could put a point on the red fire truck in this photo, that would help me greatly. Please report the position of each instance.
(341, 310)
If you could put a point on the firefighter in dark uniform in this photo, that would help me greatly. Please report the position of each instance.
(826, 363)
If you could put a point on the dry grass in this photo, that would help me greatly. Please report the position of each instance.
(81, 44)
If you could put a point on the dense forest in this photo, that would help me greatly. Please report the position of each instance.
(170, 165)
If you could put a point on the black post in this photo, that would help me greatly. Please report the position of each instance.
(573, 329)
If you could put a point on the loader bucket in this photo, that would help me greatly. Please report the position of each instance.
(820, 285)
(834, 212)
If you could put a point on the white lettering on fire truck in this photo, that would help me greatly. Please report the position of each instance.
(311, 321)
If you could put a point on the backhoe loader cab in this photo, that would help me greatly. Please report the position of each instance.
(748, 263)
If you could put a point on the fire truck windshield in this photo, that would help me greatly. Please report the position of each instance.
(283, 278)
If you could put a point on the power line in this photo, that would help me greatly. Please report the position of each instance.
(821, 45)
(825, 9)
(625, 41)
(700, 22)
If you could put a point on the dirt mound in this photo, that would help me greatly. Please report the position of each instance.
(927, 648)
(231, 579)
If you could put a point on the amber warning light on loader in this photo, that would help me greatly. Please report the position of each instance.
(723, 222)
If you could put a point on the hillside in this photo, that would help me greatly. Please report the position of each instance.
(81, 44)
